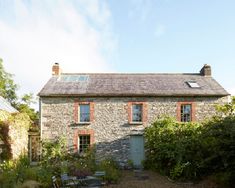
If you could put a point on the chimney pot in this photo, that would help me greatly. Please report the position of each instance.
(206, 70)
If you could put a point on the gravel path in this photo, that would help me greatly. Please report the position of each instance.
(148, 179)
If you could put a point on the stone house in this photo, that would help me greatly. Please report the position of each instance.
(111, 110)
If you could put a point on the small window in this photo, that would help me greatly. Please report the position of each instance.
(84, 113)
(186, 113)
(74, 78)
(83, 78)
(193, 84)
(137, 112)
(84, 143)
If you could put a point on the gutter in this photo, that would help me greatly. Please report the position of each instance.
(134, 95)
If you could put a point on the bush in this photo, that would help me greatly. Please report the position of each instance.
(111, 169)
(188, 151)
(12, 171)
(56, 160)
(15, 172)
(171, 148)
(54, 151)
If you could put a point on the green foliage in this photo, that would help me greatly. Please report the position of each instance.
(227, 109)
(218, 144)
(54, 151)
(14, 172)
(171, 147)
(188, 150)
(24, 106)
(225, 179)
(86, 161)
(7, 86)
(21, 123)
(111, 169)
(8, 91)
(130, 164)
(55, 161)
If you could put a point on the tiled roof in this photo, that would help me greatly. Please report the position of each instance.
(113, 84)
(5, 105)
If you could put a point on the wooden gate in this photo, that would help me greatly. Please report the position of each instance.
(34, 147)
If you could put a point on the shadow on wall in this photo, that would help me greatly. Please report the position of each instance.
(118, 149)
(122, 150)
(5, 143)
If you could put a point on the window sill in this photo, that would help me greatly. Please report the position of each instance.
(136, 123)
(82, 123)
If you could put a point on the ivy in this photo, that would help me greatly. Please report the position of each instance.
(20, 122)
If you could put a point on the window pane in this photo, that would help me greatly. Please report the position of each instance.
(186, 113)
(137, 112)
(84, 143)
(84, 113)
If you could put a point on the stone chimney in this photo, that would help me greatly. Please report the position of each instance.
(56, 70)
(206, 70)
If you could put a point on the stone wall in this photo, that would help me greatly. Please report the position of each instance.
(110, 126)
(19, 141)
(13, 134)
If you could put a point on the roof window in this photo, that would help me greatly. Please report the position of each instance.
(193, 84)
(74, 78)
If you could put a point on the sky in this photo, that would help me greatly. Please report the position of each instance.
(157, 36)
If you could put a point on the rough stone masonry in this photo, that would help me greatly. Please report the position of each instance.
(110, 126)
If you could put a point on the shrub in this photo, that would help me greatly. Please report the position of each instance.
(54, 151)
(218, 145)
(15, 172)
(111, 169)
(189, 150)
(171, 147)
(82, 165)
(12, 171)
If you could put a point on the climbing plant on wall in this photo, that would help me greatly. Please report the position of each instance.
(12, 126)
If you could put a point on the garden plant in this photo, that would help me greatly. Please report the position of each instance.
(192, 151)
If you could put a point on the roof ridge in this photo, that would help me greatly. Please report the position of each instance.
(130, 73)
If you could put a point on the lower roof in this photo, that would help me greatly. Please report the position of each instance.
(5, 105)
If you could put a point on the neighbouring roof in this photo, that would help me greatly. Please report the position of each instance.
(114, 84)
(5, 105)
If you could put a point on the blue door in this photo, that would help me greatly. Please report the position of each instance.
(137, 150)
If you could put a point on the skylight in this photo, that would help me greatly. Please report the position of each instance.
(193, 84)
(74, 78)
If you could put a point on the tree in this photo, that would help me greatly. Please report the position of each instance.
(7, 86)
(24, 106)
(8, 90)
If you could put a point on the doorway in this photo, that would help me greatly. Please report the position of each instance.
(137, 150)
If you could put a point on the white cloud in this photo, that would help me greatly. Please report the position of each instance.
(160, 30)
(77, 34)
